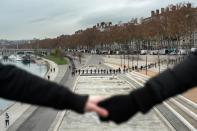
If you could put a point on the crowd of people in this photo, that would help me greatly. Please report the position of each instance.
(98, 71)
(126, 69)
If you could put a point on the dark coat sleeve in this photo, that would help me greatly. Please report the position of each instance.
(167, 84)
(22, 86)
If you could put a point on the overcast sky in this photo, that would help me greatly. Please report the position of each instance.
(28, 19)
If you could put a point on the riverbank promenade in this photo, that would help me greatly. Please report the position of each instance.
(178, 113)
(18, 110)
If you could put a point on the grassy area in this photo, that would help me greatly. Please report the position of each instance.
(57, 60)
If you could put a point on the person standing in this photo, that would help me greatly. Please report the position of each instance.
(48, 77)
(7, 120)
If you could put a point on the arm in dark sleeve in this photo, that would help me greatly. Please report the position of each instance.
(22, 86)
(167, 84)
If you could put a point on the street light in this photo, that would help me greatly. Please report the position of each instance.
(128, 61)
(124, 58)
(121, 60)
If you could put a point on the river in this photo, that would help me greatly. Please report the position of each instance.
(36, 69)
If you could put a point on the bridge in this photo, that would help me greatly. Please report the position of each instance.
(8, 52)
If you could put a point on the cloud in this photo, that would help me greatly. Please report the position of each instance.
(116, 14)
(26, 19)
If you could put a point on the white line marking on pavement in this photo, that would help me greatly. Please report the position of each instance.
(180, 117)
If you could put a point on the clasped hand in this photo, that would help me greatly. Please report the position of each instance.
(117, 108)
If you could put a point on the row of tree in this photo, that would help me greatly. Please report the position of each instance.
(165, 29)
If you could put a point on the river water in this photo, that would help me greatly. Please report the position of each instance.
(36, 69)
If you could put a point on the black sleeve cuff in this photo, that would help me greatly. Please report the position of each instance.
(78, 102)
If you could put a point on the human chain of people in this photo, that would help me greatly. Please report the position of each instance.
(125, 68)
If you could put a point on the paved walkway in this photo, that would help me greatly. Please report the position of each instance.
(116, 63)
(16, 110)
(107, 86)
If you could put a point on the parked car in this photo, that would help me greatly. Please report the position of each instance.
(182, 51)
(153, 52)
(143, 52)
(193, 50)
(163, 51)
(173, 53)
(104, 52)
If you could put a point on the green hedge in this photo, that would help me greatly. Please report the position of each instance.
(57, 60)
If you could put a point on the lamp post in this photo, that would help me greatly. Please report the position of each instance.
(159, 63)
(146, 64)
(121, 60)
(128, 61)
(146, 56)
(132, 61)
(124, 59)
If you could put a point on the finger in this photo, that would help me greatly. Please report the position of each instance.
(100, 111)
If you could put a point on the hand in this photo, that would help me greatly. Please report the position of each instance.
(91, 106)
(120, 108)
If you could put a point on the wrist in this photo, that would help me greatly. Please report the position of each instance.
(144, 99)
(78, 102)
